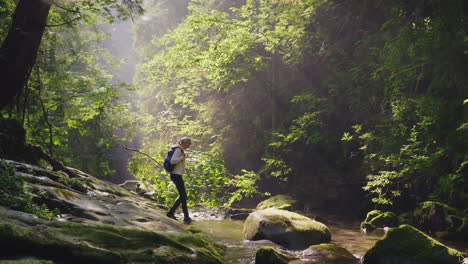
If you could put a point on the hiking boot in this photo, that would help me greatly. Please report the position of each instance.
(187, 220)
(171, 215)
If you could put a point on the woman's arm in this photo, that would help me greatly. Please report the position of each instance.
(178, 156)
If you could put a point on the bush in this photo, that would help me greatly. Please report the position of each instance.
(15, 195)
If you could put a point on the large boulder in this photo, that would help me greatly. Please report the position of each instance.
(282, 202)
(329, 253)
(435, 216)
(285, 228)
(407, 245)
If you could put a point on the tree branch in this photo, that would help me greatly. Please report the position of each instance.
(66, 9)
(142, 153)
(68, 22)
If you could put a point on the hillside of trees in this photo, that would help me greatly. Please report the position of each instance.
(341, 104)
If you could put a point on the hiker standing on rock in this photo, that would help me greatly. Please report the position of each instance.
(178, 162)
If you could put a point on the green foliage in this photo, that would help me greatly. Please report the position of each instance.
(371, 90)
(15, 194)
(243, 186)
(383, 94)
(205, 178)
(71, 104)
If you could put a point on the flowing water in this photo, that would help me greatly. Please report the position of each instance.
(345, 233)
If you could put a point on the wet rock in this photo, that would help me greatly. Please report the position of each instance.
(100, 243)
(282, 202)
(237, 213)
(328, 253)
(269, 255)
(407, 245)
(291, 230)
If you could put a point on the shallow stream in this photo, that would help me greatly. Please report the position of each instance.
(345, 233)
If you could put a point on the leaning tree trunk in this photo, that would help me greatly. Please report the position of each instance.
(19, 49)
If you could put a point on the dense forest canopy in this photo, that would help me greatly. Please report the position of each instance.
(343, 103)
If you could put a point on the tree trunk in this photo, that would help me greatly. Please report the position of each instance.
(19, 49)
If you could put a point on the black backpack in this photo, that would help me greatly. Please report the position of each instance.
(167, 160)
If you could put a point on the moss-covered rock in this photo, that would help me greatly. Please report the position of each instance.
(406, 244)
(282, 202)
(285, 228)
(269, 255)
(434, 216)
(370, 215)
(378, 219)
(105, 224)
(85, 243)
(329, 253)
(387, 219)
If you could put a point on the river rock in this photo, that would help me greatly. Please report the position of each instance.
(282, 202)
(269, 255)
(378, 219)
(285, 228)
(372, 214)
(328, 253)
(434, 216)
(408, 245)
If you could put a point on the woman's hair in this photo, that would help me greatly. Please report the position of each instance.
(184, 139)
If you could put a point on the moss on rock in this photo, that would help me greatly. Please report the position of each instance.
(378, 219)
(387, 219)
(372, 214)
(269, 255)
(285, 228)
(80, 243)
(406, 244)
(329, 253)
(434, 216)
(282, 202)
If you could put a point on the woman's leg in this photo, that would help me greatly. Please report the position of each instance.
(179, 183)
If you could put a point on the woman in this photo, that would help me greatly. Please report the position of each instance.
(178, 159)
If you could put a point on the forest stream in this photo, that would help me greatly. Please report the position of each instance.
(345, 233)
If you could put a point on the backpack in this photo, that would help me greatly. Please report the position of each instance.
(167, 160)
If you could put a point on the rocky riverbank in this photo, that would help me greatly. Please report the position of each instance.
(99, 222)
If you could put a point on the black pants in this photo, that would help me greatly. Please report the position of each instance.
(179, 183)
